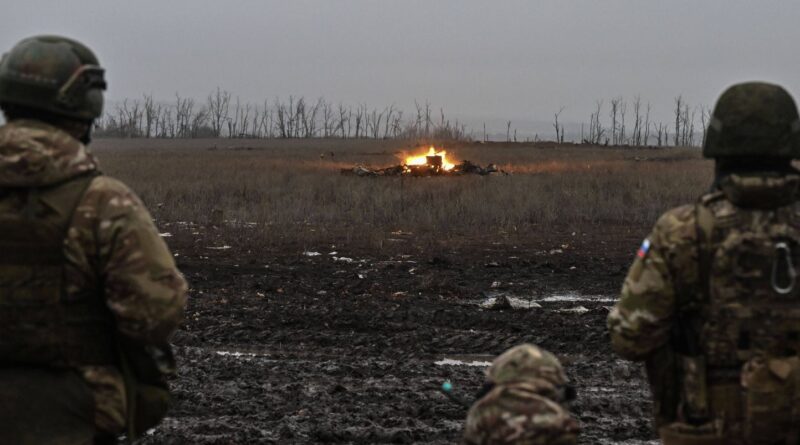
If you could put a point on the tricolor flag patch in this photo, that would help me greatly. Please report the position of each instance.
(643, 249)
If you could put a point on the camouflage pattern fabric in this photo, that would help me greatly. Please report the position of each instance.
(708, 272)
(641, 321)
(524, 363)
(112, 245)
(521, 408)
(663, 279)
(522, 414)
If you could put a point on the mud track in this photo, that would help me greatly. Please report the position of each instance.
(295, 347)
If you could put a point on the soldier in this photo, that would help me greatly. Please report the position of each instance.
(711, 302)
(89, 292)
(521, 404)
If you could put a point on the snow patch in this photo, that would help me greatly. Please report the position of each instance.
(453, 362)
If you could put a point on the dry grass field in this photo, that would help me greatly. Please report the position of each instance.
(329, 309)
(294, 194)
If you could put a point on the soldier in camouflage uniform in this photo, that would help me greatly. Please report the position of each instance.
(522, 406)
(89, 292)
(711, 303)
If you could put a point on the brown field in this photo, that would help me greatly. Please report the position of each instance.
(285, 186)
(284, 346)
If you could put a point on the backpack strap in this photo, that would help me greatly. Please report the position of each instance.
(704, 231)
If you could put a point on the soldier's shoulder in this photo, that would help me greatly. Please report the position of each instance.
(109, 198)
(106, 190)
(676, 226)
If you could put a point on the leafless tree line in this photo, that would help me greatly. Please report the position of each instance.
(645, 131)
(221, 115)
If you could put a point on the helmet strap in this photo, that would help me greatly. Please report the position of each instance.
(746, 165)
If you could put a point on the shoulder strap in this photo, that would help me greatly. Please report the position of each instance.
(704, 228)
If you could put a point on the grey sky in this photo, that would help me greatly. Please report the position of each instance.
(485, 59)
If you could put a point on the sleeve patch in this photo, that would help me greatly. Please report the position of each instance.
(643, 249)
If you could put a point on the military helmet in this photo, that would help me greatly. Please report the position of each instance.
(526, 362)
(53, 74)
(753, 119)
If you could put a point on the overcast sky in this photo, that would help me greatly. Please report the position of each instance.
(484, 59)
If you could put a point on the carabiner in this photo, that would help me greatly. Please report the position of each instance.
(782, 249)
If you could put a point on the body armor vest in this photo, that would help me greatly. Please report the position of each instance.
(747, 377)
(40, 323)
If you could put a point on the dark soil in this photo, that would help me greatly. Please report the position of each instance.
(283, 347)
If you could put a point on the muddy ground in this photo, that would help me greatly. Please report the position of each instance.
(310, 346)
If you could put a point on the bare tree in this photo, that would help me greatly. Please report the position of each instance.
(613, 114)
(218, 105)
(559, 127)
(596, 130)
(637, 121)
(679, 104)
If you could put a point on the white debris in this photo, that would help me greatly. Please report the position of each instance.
(237, 354)
(521, 303)
(495, 284)
(307, 253)
(165, 235)
(332, 253)
(500, 302)
(575, 310)
(508, 302)
(226, 247)
(342, 259)
(574, 296)
(452, 362)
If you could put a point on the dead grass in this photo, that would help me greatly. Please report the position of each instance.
(289, 194)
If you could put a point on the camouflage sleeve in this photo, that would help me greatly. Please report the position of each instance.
(641, 320)
(143, 288)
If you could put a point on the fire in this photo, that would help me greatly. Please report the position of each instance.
(425, 159)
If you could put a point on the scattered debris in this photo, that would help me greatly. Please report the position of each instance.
(307, 253)
(496, 303)
(226, 247)
(433, 163)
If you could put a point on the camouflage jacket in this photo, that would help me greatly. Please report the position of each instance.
(111, 235)
(664, 278)
(521, 414)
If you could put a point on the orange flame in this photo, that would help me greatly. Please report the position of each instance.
(423, 159)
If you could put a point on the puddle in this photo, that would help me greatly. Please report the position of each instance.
(575, 297)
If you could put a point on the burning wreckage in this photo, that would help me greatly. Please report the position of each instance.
(433, 163)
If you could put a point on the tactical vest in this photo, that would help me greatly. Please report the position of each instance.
(742, 375)
(40, 323)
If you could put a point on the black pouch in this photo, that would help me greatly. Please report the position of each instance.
(146, 370)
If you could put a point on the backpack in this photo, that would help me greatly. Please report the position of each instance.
(42, 325)
(749, 330)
